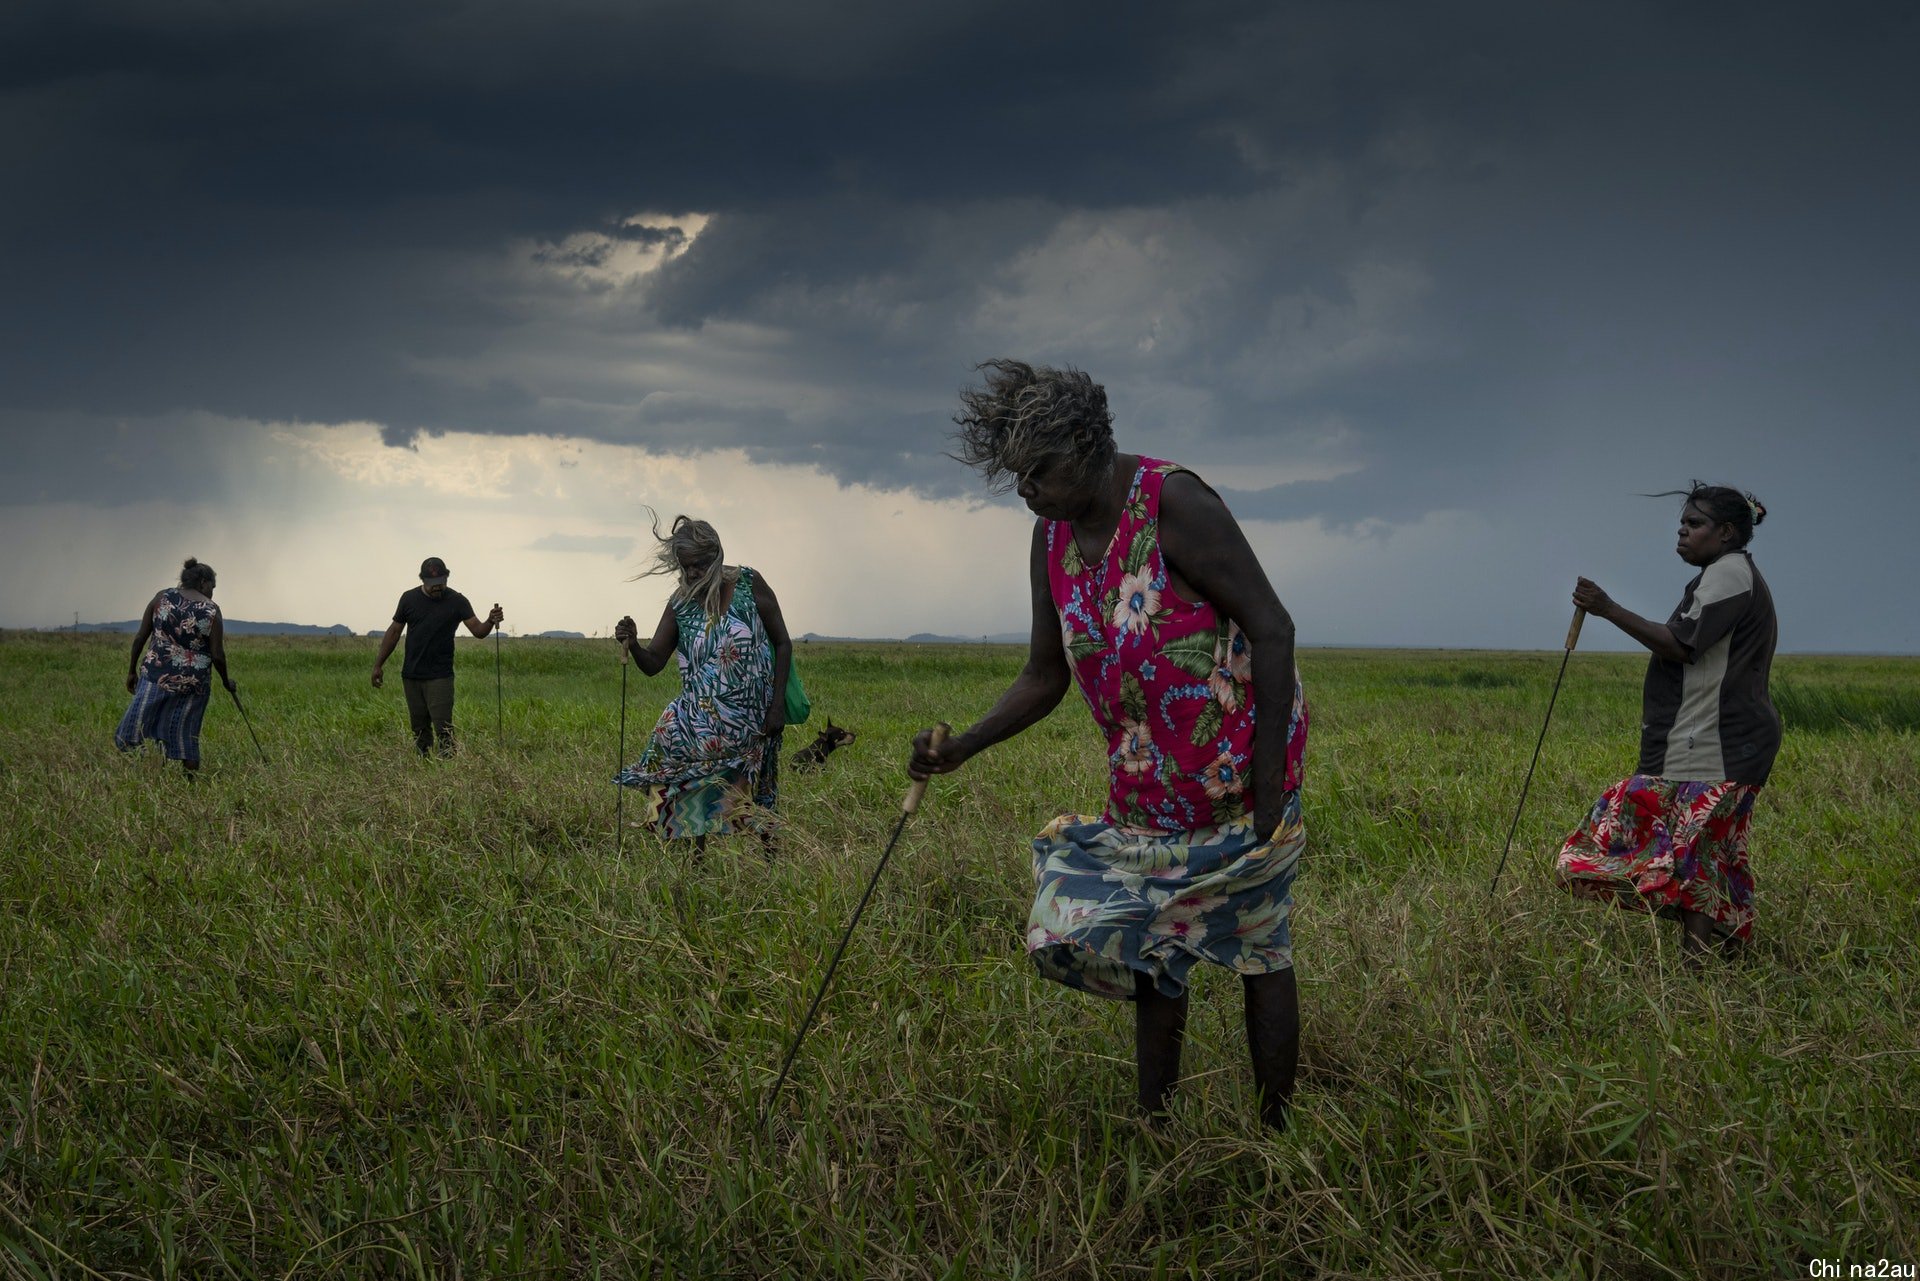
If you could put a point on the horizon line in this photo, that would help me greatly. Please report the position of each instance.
(333, 631)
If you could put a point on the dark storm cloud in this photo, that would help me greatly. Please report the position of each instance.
(594, 106)
(1436, 238)
(60, 458)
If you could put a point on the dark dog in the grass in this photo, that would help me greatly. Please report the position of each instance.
(824, 744)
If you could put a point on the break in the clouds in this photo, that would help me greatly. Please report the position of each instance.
(1371, 267)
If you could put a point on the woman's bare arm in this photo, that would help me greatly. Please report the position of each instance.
(776, 627)
(1657, 637)
(1205, 546)
(217, 643)
(140, 640)
(652, 656)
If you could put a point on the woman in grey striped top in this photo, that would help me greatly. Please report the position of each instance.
(1672, 837)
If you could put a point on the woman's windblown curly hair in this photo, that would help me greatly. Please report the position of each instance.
(694, 540)
(1023, 416)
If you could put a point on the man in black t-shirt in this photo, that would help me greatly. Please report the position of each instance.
(430, 614)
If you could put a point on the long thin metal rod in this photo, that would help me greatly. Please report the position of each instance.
(1573, 639)
(620, 803)
(912, 803)
(499, 713)
(235, 691)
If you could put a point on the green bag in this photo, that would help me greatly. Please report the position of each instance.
(799, 706)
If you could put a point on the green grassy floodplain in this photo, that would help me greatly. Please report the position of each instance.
(354, 1014)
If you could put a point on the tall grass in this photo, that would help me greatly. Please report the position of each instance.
(1824, 707)
(357, 1014)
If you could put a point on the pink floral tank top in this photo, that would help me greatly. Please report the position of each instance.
(1169, 680)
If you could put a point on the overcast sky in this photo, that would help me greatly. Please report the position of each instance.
(314, 289)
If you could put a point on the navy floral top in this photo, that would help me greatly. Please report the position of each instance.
(180, 653)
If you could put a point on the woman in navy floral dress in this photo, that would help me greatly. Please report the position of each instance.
(179, 645)
(712, 764)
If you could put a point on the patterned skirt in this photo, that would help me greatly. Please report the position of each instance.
(1653, 843)
(721, 803)
(1112, 903)
(169, 717)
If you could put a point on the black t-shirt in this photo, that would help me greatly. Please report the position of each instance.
(1709, 719)
(430, 627)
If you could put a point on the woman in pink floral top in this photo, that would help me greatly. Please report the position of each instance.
(179, 646)
(1148, 598)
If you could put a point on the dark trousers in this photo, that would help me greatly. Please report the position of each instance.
(430, 706)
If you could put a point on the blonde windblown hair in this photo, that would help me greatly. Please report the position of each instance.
(696, 541)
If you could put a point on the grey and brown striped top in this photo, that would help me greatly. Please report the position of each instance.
(1709, 718)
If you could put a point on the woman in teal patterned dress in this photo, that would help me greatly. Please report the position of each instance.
(712, 764)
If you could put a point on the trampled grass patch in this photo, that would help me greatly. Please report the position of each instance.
(354, 1014)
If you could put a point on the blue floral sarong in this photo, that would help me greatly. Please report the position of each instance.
(170, 718)
(1113, 901)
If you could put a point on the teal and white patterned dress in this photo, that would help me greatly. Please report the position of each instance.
(709, 768)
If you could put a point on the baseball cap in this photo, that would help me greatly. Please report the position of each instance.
(433, 572)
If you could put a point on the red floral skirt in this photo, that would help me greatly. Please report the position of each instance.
(1654, 843)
